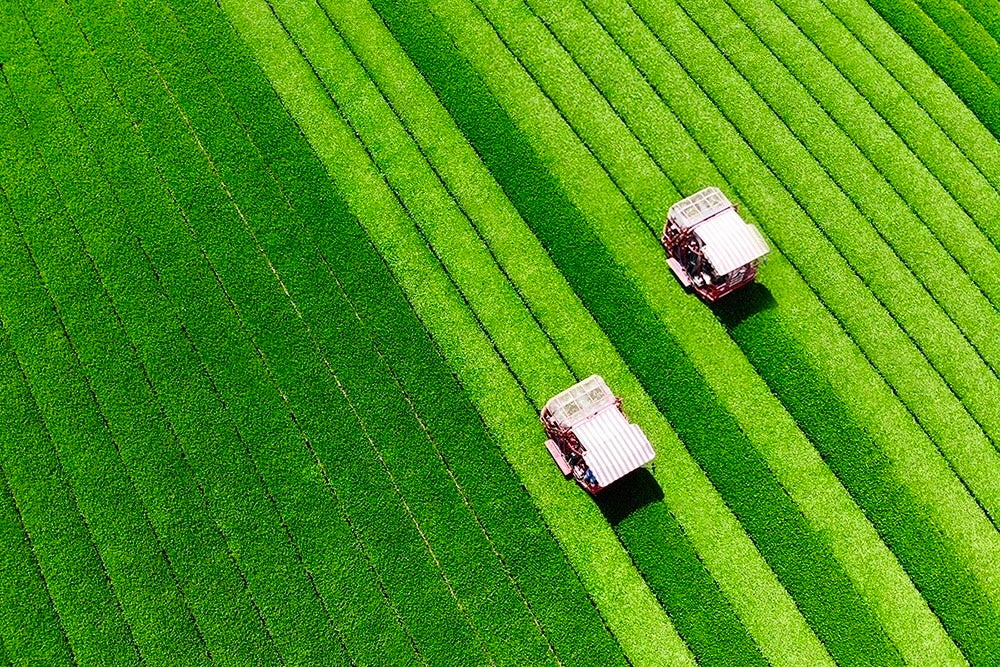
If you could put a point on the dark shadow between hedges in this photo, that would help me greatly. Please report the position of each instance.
(742, 304)
(629, 494)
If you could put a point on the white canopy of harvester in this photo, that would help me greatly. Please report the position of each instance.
(709, 246)
(590, 437)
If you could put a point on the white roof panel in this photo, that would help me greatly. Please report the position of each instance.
(729, 242)
(698, 207)
(580, 401)
(614, 447)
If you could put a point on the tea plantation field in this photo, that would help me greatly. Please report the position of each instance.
(285, 283)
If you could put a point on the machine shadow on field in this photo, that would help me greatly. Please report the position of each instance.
(631, 493)
(733, 309)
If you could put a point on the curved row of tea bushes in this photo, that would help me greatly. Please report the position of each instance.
(867, 471)
(94, 207)
(547, 582)
(610, 284)
(108, 573)
(967, 32)
(604, 568)
(480, 578)
(984, 456)
(196, 262)
(71, 565)
(33, 629)
(931, 563)
(338, 561)
(919, 81)
(949, 61)
(454, 241)
(775, 210)
(29, 622)
(936, 491)
(985, 251)
(99, 207)
(74, 572)
(307, 503)
(805, 30)
(470, 572)
(122, 400)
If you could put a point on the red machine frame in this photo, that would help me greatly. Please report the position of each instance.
(683, 250)
(707, 219)
(567, 451)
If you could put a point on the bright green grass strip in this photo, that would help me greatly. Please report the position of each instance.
(920, 81)
(931, 237)
(459, 544)
(919, 250)
(876, 580)
(751, 587)
(273, 332)
(868, 401)
(629, 608)
(662, 551)
(760, 330)
(944, 344)
(66, 554)
(945, 158)
(679, 90)
(548, 582)
(975, 88)
(915, 459)
(30, 626)
(660, 135)
(968, 34)
(429, 203)
(705, 427)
